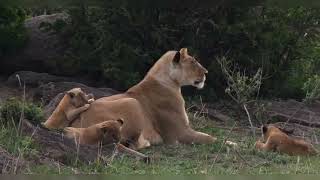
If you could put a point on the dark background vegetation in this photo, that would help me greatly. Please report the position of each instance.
(116, 42)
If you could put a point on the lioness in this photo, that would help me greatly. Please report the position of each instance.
(74, 102)
(106, 132)
(277, 140)
(154, 109)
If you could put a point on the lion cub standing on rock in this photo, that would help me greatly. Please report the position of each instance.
(277, 140)
(70, 107)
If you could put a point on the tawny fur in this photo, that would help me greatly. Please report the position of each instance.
(276, 140)
(70, 107)
(106, 132)
(154, 109)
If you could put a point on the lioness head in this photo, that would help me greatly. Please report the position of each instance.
(78, 98)
(186, 70)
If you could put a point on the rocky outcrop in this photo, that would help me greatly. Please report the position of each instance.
(33, 79)
(42, 50)
(52, 93)
(49, 91)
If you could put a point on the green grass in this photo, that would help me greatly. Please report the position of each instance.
(180, 159)
(16, 144)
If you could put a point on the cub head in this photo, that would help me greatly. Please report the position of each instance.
(78, 98)
(186, 70)
(111, 131)
(268, 129)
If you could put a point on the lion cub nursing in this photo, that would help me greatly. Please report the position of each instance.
(277, 140)
(106, 132)
(70, 107)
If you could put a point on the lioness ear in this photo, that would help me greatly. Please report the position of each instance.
(120, 120)
(184, 51)
(176, 58)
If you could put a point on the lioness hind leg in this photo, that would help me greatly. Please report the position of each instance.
(192, 136)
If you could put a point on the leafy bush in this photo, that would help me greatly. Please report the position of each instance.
(12, 31)
(241, 87)
(119, 44)
(312, 88)
(11, 109)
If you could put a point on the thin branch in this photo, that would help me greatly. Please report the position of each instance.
(249, 118)
(224, 142)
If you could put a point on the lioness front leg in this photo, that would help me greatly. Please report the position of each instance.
(73, 114)
(191, 136)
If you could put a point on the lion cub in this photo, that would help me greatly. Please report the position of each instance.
(70, 107)
(106, 132)
(277, 140)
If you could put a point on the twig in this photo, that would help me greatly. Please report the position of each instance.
(22, 109)
(249, 118)
(224, 142)
(113, 155)
(122, 148)
(285, 124)
(297, 164)
(243, 159)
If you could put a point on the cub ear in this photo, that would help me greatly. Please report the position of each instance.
(90, 96)
(264, 129)
(184, 51)
(120, 120)
(176, 58)
(71, 94)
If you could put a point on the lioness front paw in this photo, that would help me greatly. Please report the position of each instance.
(90, 101)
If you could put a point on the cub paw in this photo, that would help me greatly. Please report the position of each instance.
(86, 106)
(258, 144)
(90, 101)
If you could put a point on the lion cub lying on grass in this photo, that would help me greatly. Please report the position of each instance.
(277, 140)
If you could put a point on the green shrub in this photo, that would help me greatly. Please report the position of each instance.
(12, 31)
(312, 88)
(11, 109)
(119, 44)
(16, 144)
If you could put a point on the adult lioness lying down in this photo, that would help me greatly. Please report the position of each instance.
(153, 110)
